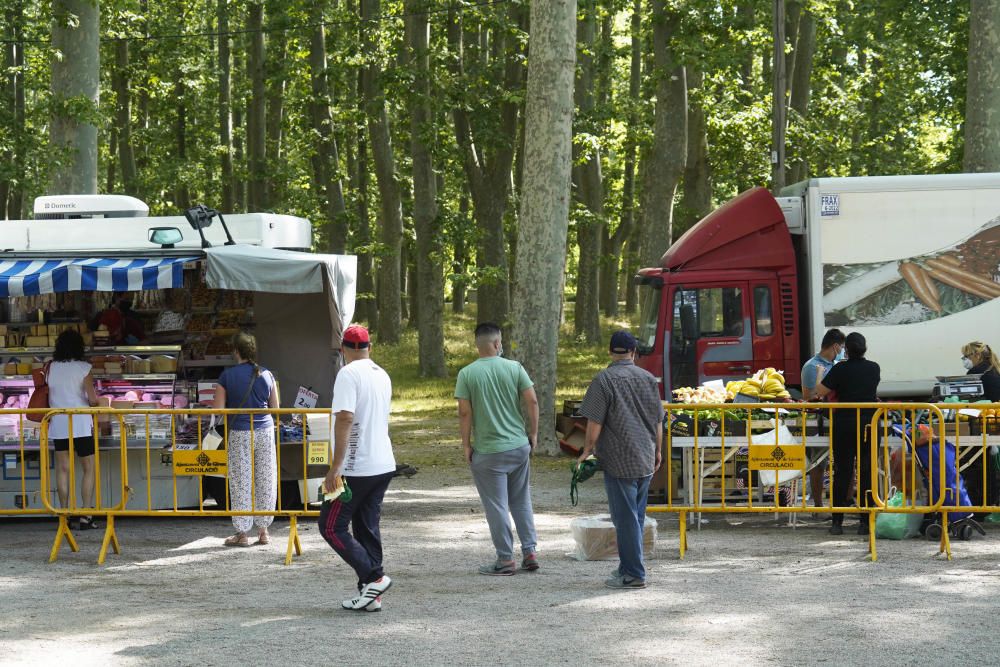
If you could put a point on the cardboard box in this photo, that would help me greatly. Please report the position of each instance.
(36, 341)
(960, 428)
(565, 425)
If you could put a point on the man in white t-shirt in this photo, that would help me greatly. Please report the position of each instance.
(363, 456)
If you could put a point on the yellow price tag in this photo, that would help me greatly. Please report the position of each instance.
(777, 457)
(197, 462)
(319, 453)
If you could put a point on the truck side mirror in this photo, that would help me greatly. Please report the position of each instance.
(689, 325)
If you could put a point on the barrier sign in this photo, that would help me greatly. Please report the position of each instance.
(777, 457)
(195, 462)
(319, 453)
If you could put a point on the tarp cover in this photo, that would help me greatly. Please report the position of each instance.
(256, 269)
(302, 303)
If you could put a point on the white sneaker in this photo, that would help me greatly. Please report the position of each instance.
(374, 605)
(371, 592)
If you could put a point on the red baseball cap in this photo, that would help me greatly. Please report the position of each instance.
(356, 337)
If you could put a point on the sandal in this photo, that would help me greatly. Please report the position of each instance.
(88, 523)
(263, 538)
(237, 540)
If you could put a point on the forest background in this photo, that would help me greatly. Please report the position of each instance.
(403, 129)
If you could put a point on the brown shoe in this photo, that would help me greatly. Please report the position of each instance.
(237, 540)
(263, 538)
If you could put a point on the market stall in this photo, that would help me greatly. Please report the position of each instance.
(157, 320)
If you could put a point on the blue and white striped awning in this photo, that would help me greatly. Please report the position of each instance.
(29, 277)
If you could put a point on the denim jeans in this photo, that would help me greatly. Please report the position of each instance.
(627, 503)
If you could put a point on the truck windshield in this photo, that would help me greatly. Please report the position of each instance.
(649, 315)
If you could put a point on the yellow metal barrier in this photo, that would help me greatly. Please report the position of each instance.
(707, 440)
(23, 491)
(144, 438)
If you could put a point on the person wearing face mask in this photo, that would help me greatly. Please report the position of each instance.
(831, 352)
(855, 380)
(979, 359)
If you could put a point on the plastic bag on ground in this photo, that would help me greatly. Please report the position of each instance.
(894, 526)
(594, 537)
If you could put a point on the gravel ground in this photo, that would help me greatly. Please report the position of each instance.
(750, 589)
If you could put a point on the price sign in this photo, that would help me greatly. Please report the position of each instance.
(319, 453)
(306, 398)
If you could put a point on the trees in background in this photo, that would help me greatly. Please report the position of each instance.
(399, 126)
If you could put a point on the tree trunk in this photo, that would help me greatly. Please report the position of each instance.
(461, 261)
(123, 124)
(12, 91)
(745, 22)
(109, 178)
(982, 101)
(489, 173)
(326, 159)
(391, 211)
(589, 185)
(256, 112)
(239, 144)
(805, 47)
(75, 92)
(427, 224)
(366, 281)
(696, 202)
(669, 148)
(182, 195)
(544, 217)
(778, 112)
(225, 108)
(275, 74)
(626, 222)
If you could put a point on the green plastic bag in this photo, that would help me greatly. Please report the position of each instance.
(581, 473)
(895, 526)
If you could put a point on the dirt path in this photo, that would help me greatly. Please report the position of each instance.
(755, 592)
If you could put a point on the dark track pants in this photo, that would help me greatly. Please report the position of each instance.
(362, 550)
(845, 452)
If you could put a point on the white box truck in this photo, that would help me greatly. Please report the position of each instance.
(910, 262)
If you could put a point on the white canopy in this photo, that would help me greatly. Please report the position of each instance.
(257, 269)
(302, 304)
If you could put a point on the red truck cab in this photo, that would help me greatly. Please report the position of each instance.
(724, 301)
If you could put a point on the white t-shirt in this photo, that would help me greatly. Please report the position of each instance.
(66, 391)
(363, 388)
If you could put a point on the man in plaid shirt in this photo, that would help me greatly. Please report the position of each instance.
(625, 425)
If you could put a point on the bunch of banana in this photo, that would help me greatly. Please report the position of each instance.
(767, 384)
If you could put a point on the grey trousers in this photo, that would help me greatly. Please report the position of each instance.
(504, 484)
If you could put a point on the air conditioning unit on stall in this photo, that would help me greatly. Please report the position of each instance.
(75, 207)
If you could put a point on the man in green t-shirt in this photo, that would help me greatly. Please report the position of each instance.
(495, 395)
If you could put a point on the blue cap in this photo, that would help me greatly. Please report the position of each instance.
(622, 342)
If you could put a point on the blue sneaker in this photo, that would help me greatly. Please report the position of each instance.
(624, 583)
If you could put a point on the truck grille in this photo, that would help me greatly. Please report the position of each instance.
(788, 308)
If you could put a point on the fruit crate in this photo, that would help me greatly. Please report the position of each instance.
(989, 425)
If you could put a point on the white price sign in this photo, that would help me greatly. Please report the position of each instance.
(306, 398)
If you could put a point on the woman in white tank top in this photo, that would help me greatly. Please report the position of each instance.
(72, 386)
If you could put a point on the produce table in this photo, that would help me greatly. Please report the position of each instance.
(733, 443)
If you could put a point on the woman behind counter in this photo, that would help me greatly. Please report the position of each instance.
(979, 359)
(72, 386)
(247, 385)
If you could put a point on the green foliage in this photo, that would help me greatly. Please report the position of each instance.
(887, 97)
